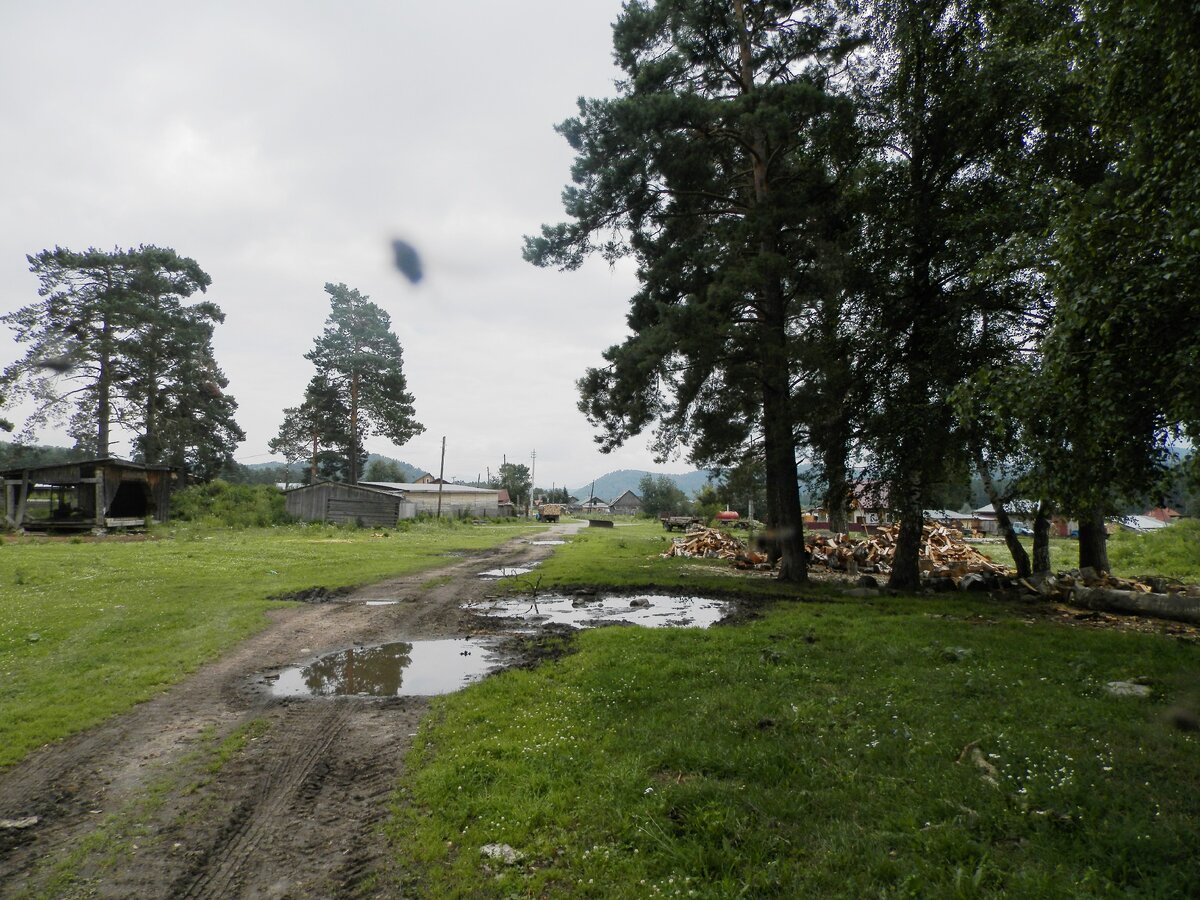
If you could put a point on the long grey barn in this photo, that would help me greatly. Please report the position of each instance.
(331, 501)
(455, 499)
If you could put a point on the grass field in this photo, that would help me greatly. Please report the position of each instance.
(915, 747)
(88, 628)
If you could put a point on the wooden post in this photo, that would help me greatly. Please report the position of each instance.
(100, 498)
(22, 497)
(10, 503)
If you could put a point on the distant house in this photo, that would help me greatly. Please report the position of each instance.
(93, 494)
(628, 504)
(504, 504)
(594, 505)
(869, 505)
(965, 522)
(1164, 514)
(1141, 524)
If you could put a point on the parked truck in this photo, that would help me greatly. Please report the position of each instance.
(549, 512)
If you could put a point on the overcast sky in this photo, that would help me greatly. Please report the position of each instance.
(283, 145)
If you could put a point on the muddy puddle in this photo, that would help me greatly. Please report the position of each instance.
(506, 572)
(399, 669)
(647, 610)
(547, 543)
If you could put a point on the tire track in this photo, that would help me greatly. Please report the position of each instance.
(312, 730)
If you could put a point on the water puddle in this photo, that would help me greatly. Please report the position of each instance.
(404, 668)
(647, 610)
(380, 602)
(507, 572)
(547, 543)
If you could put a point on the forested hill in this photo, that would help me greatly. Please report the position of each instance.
(614, 484)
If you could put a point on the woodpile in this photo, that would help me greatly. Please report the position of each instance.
(711, 543)
(943, 554)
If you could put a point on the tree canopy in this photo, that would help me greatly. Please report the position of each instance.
(115, 342)
(359, 389)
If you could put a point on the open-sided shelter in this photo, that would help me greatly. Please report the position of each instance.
(92, 494)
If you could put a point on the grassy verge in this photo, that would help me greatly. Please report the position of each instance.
(898, 747)
(1173, 552)
(630, 556)
(89, 628)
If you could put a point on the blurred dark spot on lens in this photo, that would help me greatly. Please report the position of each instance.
(407, 260)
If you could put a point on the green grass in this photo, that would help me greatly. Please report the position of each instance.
(812, 752)
(89, 628)
(630, 555)
(1172, 552)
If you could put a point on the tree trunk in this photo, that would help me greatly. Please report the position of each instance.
(783, 483)
(1093, 542)
(353, 469)
(906, 563)
(1041, 541)
(837, 488)
(1011, 541)
(104, 388)
(904, 497)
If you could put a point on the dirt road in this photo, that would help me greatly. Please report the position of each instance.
(217, 789)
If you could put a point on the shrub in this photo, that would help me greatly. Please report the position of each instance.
(232, 505)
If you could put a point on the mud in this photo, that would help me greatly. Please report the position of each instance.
(217, 788)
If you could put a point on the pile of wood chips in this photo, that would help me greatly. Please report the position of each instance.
(944, 553)
(712, 543)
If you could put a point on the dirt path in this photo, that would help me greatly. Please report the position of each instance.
(217, 789)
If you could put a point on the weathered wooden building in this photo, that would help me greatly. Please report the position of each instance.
(453, 499)
(92, 494)
(348, 504)
(628, 504)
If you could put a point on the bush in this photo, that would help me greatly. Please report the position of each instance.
(232, 505)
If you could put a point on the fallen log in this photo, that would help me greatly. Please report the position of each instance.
(1178, 607)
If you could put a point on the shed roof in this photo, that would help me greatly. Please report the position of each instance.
(365, 488)
(409, 488)
(112, 461)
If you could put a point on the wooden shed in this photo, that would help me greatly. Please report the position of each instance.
(332, 501)
(92, 494)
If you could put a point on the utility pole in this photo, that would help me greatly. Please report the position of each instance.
(532, 474)
(441, 479)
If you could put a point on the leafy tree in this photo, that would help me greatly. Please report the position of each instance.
(743, 487)
(1123, 353)
(516, 479)
(380, 469)
(553, 495)
(361, 363)
(707, 504)
(114, 341)
(661, 496)
(712, 170)
(317, 431)
(947, 109)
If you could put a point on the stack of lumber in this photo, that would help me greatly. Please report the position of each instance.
(944, 553)
(711, 543)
